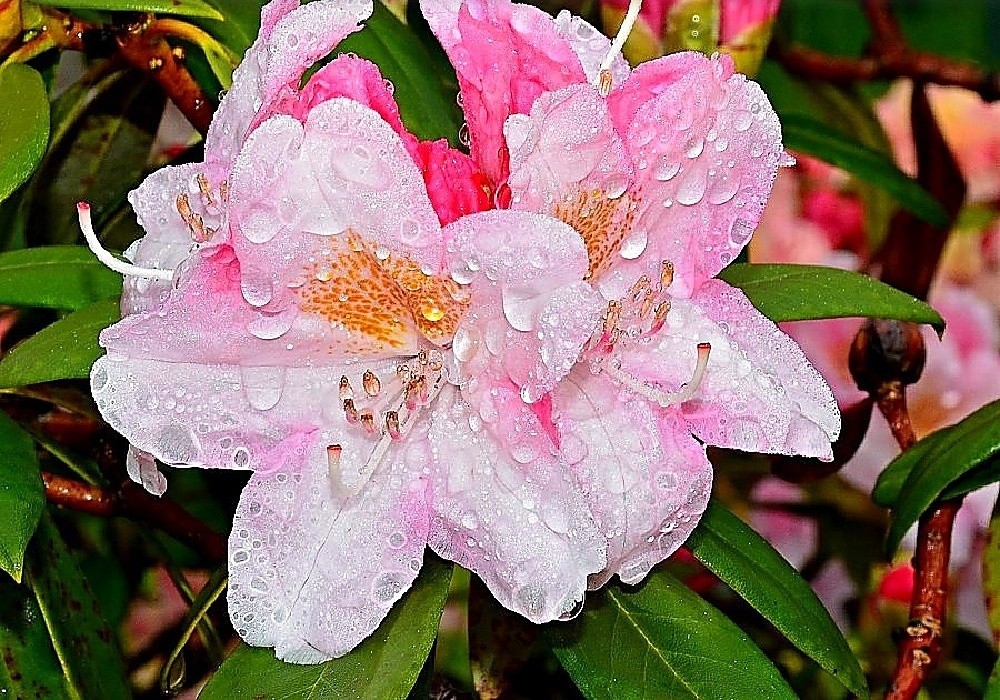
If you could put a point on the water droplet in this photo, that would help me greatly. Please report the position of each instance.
(260, 225)
(263, 386)
(666, 168)
(723, 189)
(694, 146)
(616, 186)
(740, 232)
(572, 612)
(692, 187)
(382, 253)
(431, 311)
(257, 289)
(409, 231)
(633, 246)
(271, 326)
(742, 120)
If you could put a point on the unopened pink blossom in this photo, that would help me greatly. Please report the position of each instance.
(515, 357)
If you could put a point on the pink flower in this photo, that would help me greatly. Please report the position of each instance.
(526, 390)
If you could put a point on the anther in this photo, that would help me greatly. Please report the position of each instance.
(647, 304)
(119, 266)
(205, 188)
(333, 454)
(367, 420)
(371, 383)
(666, 274)
(346, 392)
(392, 425)
(350, 411)
(640, 287)
(613, 316)
(604, 82)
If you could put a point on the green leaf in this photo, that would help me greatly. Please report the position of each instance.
(991, 585)
(921, 475)
(85, 645)
(29, 667)
(749, 565)
(993, 686)
(384, 667)
(814, 138)
(22, 496)
(662, 640)
(55, 277)
(64, 350)
(805, 292)
(24, 125)
(426, 104)
(187, 8)
(239, 28)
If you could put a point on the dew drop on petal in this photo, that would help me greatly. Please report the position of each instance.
(633, 246)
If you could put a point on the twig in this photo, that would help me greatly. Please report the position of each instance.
(920, 647)
(149, 52)
(129, 500)
(889, 57)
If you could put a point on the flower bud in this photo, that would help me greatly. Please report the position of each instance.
(886, 350)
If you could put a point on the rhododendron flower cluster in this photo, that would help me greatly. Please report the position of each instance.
(515, 357)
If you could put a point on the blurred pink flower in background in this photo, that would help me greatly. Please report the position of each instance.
(740, 28)
(813, 217)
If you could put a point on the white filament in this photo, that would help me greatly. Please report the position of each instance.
(631, 15)
(658, 396)
(119, 266)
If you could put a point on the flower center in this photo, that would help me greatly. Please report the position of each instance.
(636, 318)
(388, 406)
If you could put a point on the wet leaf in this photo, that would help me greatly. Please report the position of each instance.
(749, 565)
(24, 124)
(189, 8)
(64, 350)
(803, 292)
(661, 640)
(22, 497)
(29, 667)
(55, 277)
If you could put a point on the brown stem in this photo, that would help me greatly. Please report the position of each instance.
(891, 398)
(920, 647)
(149, 52)
(131, 501)
(885, 28)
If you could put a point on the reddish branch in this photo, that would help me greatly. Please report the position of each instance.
(129, 500)
(149, 52)
(890, 57)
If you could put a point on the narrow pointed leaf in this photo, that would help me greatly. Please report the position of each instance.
(29, 667)
(748, 564)
(662, 640)
(784, 292)
(22, 496)
(922, 474)
(811, 137)
(55, 277)
(188, 8)
(64, 350)
(991, 585)
(384, 667)
(84, 643)
(24, 124)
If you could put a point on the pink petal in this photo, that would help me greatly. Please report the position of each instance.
(295, 188)
(530, 312)
(454, 184)
(313, 576)
(568, 161)
(591, 47)
(167, 241)
(521, 526)
(647, 481)
(506, 55)
(292, 38)
(759, 392)
(706, 146)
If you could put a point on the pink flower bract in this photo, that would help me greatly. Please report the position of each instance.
(526, 388)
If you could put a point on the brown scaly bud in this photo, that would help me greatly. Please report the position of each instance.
(887, 351)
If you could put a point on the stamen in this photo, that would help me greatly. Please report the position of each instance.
(640, 287)
(195, 224)
(371, 383)
(346, 392)
(333, 454)
(658, 396)
(392, 425)
(206, 189)
(604, 82)
(350, 411)
(666, 274)
(367, 420)
(224, 191)
(119, 266)
(616, 46)
(647, 304)
(659, 318)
